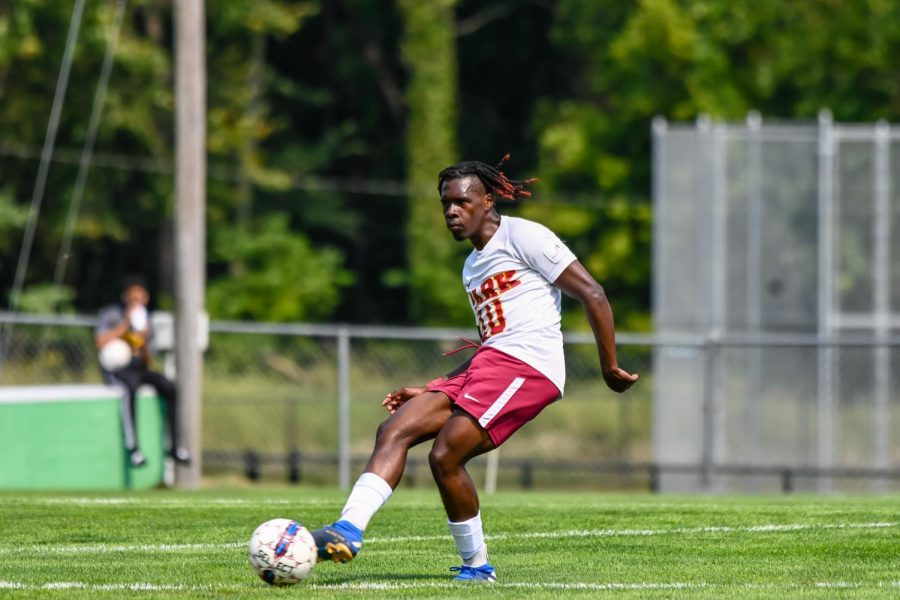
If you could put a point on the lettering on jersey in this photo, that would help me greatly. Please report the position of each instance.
(488, 289)
(505, 281)
(492, 287)
(486, 302)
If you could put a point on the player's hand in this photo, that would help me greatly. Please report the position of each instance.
(619, 380)
(395, 399)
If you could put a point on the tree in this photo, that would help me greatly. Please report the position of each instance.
(284, 278)
(678, 58)
(433, 258)
(305, 109)
(125, 221)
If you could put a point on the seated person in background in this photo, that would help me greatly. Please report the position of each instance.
(129, 322)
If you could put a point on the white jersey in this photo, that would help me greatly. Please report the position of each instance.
(516, 305)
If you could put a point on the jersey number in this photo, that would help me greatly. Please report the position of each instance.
(490, 318)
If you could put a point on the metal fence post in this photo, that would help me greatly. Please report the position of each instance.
(881, 234)
(490, 471)
(719, 283)
(659, 172)
(826, 266)
(705, 249)
(708, 416)
(343, 385)
(755, 210)
(659, 248)
(714, 259)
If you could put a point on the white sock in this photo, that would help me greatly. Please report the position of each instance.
(469, 540)
(367, 496)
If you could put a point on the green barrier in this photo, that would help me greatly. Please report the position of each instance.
(70, 438)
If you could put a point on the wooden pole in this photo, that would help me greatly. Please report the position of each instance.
(190, 225)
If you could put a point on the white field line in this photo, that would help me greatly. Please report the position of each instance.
(106, 587)
(582, 533)
(120, 548)
(299, 503)
(165, 502)
(448, 585)
(712, 506)
(647, 532)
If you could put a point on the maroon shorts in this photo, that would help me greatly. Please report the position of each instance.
(501, 392)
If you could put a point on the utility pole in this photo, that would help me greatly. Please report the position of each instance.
(190, 225)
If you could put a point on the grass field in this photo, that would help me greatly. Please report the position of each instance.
(189, 545)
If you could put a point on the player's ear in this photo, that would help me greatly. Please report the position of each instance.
(488, 201)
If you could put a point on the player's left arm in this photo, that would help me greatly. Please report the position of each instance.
(576, 282)
(145, 356)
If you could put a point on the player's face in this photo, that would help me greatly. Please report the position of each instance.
(465, 205)
(136, 294)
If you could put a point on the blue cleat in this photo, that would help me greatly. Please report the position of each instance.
(338, 542)
(483, 573)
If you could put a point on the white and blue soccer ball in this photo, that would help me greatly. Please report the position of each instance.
(282, 552)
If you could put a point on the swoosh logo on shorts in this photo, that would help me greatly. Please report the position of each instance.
(473, 399)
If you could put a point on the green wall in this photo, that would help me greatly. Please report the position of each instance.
(70, 438)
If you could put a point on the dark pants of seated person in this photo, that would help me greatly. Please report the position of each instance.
(131, 378)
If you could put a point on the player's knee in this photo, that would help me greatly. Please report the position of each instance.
(379, 433)
(441, 459)
(391, 433)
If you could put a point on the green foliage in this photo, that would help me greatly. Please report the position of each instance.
(434, 259)
(47, 298)
(306, 95)
(127, 211)
(278, 275)
(12, 218)
(679, 58)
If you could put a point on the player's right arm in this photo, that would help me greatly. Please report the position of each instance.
(394, 399)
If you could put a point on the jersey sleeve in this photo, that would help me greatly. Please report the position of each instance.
(108, 319)
(542, 250)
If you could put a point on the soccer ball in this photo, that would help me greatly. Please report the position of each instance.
(115, 355)
(282, 552)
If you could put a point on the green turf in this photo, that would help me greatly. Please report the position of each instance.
(189, 545)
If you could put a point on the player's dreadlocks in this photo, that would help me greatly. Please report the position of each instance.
(494, 180)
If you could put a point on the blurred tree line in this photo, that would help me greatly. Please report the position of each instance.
(329, 121)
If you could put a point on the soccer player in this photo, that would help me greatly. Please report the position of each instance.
(513, 279)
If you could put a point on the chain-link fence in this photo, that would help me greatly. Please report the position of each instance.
(302, 402)
(777, 243)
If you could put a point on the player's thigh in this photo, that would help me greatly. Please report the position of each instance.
(160, 382)
(460, 440)
(128, 377)
(417, 420)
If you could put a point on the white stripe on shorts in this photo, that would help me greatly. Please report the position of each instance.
(500, 402)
